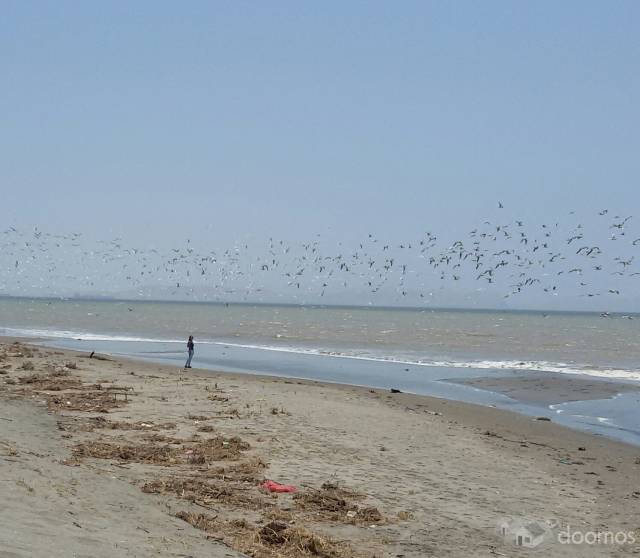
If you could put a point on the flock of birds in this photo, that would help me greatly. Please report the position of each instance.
(592, 258)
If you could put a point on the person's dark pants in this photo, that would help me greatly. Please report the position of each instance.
(188, 364)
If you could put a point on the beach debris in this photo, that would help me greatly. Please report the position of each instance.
(57, 380)
(247, 471)
(206, 428)
(72, 394)
(394, 390)
(275, 539)
(11, 449)
(89, 424)
(156, 437)
(95, 356)
(273, 486)
(216, 397)
(333, 503)
(197, 418)
(273, 533)
(208, 492)
(176, 452)
(219, 415)
(544, 418)
(199, 521)
(568, 461)
(298, 541)
(27, 487)
(278, 514)
(280, 411)
(90, 401)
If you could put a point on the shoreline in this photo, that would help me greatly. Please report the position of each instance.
(441, 474)
(579, 401)
(462, 410)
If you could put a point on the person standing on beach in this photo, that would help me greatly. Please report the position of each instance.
(190, 347)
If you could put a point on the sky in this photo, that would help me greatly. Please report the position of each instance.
(232, 122)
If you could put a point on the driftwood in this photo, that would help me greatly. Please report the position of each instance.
(97, 356)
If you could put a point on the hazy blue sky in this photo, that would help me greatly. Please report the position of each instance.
(230, 120)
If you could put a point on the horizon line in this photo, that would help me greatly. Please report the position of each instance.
(302, 305)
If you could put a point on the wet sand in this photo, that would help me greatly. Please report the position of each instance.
(123, 458)
(548, 389)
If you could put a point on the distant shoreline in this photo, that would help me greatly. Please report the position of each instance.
(453, 309)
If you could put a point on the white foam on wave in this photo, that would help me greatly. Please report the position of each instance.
(529, 366)
(81, 336)
(607, 421)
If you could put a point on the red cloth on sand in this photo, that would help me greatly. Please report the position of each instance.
(273, 486)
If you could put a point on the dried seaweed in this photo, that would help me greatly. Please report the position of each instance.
(332, 503)
(273, 540)
(251, 470)
(207, 493)
(89, 424)
(56, 381)
(177, 452)
(88, 401)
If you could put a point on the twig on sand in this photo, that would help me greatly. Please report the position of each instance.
(523, 441)
(3, 418)
(206, 508)
(96, 356)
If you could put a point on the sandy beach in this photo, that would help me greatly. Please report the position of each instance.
(114, 457)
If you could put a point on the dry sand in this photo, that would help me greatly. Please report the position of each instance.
(89, 470)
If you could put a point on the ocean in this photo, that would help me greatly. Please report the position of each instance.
(424, 351)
